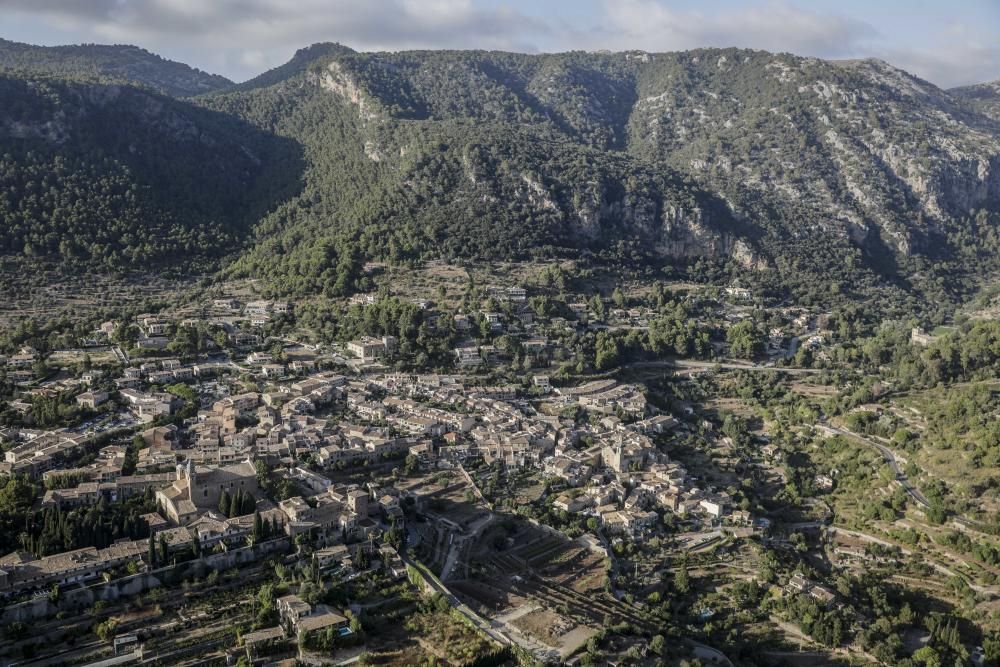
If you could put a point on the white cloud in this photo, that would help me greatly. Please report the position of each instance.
(774, 26)
(960, 55)
(240, 38)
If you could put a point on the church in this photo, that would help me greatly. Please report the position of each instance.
(198, 489)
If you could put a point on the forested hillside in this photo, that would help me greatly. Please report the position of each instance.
(794, 173)
(983, 97)
(117, 63)
(786, 168)
(101, 176)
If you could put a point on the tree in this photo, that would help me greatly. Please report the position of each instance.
(606, 351)
(745, 340)
(105, 631)
(225, 504)
(235, 504)
(682, 581)
(257, 532)
(927, 656)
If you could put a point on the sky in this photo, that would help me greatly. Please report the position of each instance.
(947, 42)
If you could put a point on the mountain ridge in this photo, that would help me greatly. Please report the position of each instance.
(118, 63)
(874, 190)
(113, 176)
(786, 168)
(984, 97)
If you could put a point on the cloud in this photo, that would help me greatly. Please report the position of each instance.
(948, 55)
(959, 55)
(240, 38)
(776, 26)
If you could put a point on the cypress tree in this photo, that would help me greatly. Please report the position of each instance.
(234, 505)
(258, 527)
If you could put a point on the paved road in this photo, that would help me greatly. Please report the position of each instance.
(120, 353)
(463, 609)
(459, 543)
(712, 656)
(725, 365)
(893, 461)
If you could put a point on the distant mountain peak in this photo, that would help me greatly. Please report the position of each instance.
(298, 63)
(110, 62)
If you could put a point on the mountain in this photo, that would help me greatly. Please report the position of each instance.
(118, 63)
(984, 97)
(831, 180)
(100, 176)
(788, 168)
(297, 65)
(390, 181)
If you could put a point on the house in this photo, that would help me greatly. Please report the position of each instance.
(90, 377)
(369, 349)
(656, 425)
(495, 320)
(321, 621)
(572, 505)
(24, 359)
(738, 293)
(299, 616)
(467, 357)
(259, 358)
(822, 594)
(798, 583)
(920, 337)
(535, 346)
(258, 307)
(262, 641)
(391, 561)
(272, 370)
(20, 570)
(332, 556)
(291, 608)
(823, 482)
(91, 399)
(711, 507)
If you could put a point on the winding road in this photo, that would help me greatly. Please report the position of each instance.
(682, 364)
(893, 462)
